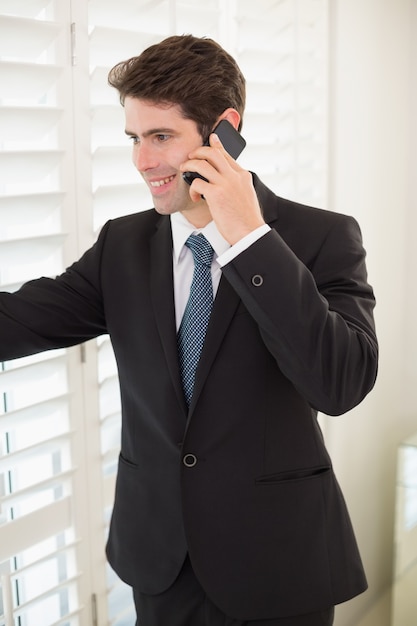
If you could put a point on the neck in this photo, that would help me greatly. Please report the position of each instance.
(199, 215)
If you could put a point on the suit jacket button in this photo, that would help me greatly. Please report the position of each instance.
(189, 460)
(257, 280)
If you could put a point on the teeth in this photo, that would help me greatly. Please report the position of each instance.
(159, 183)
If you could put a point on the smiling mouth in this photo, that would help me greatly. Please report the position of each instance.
(160, 183)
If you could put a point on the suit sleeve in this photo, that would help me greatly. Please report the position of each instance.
(46, 314)
(316, 320)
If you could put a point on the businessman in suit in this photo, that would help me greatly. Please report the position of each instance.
(227, 511)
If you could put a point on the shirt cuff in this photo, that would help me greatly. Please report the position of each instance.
(242, 244)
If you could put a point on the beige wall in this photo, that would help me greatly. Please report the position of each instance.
(372, 157)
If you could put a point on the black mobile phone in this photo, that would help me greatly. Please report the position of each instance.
(232, 141)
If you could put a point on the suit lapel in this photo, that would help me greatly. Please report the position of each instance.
(162, 294)
(225, 305)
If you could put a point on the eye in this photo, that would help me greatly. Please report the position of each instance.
(161, 138)
(134, 139)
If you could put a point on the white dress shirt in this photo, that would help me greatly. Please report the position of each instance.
(183, 262)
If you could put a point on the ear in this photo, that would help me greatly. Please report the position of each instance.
(232, 116)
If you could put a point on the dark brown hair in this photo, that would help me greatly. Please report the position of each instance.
(195, 73)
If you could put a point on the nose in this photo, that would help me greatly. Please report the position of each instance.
(144, 157)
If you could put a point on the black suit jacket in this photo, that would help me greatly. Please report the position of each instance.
(260, 512)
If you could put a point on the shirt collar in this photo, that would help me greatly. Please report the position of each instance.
(182, 229)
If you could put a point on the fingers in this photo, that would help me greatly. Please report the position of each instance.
(228, 190)
(210, 160)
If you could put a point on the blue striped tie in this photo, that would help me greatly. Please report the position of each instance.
(197, 312)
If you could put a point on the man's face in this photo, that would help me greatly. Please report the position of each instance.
(162, 140)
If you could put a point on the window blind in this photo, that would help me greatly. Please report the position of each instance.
(282, 50)
(65, 168)
(40, 566)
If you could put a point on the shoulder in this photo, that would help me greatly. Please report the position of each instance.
(312, 233)
(295, 221)
(131, 228)
(288, 212)
(144, 220)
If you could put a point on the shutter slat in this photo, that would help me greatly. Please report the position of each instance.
(23, 81)
(113, 165)
(27, 124)
(26, 39)
(124, 44)
(35, 164)
(34, 372)
(27, 416)
(29, 530)
(58, 480)
(13, 252)
(28, 211)
(23, 7)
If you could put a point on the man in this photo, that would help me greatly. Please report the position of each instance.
(227, 510)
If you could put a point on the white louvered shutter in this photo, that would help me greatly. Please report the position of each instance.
(44, 553)
(282, 50)
(65, 168)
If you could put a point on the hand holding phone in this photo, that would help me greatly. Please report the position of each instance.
(232, 141)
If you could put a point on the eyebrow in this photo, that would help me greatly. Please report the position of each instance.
(152, 131)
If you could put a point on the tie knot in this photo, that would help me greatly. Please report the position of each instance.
(201, 249)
